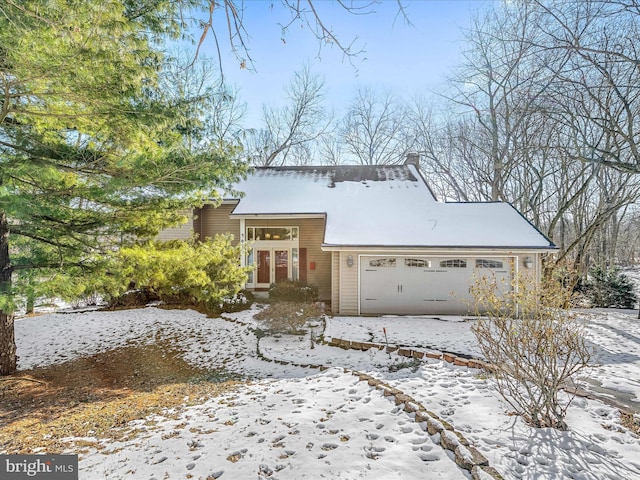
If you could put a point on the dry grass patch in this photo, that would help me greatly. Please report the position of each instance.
(630, 421)
(97, 397)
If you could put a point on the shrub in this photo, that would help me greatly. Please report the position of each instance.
(238, 302)
(535, 344)
(293, 291)
(289, 317)
(133, 298)
(608, 288)
(185, 272)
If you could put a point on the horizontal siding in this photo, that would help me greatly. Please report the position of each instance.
(214, 221)
(180, 232)
(349, 284)
(335, 282)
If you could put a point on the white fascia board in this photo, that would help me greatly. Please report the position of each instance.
(438, 251)
(225, 201)
(279, 216)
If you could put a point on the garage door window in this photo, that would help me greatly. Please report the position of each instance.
(417, 263)
(455, 263)
(383, 262)
(484, 263)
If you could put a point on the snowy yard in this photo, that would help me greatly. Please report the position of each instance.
(294, 422)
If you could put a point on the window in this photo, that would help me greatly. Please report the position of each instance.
(455, 263)
(417, 262)
(295, 264)
(272, 233)
(383, 262)
(249, 262)
(484, 263)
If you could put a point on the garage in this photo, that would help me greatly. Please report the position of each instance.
(418, 285)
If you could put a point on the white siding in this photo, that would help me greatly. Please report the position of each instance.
(349, 296)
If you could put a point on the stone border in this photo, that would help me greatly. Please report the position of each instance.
(466, 456)
(448, 357)
(457, 360)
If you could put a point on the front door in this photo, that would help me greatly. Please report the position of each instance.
(282, 265)
(272, 266)
(264, 266)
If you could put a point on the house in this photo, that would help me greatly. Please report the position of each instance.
(374, 239)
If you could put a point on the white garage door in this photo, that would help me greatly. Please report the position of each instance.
(424, 285)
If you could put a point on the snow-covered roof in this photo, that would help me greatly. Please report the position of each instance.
(390, 206)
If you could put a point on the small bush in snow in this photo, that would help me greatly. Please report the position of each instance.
(237, 303)
(293, 291)
(289, 317)
(535, 344)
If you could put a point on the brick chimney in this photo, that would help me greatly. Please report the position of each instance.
(413, 159)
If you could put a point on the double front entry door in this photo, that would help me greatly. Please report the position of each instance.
(272, 265)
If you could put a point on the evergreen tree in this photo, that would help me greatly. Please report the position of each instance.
(91, 153)
(608, 288)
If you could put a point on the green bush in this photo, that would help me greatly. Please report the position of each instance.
(189, 272)
(608, 288)
(293, 291)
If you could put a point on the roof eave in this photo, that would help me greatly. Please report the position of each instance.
(541, 249)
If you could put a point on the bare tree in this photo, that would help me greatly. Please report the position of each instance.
(597, 90)
(527, 132)
(306, 13)
(499, 86)
(374, 130)
(288, 129)
(198, 85)
(330, 149)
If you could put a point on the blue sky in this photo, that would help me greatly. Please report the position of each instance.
(408, 59)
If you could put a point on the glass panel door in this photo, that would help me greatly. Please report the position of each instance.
(282, 265)
(272, 266)
(264, 266)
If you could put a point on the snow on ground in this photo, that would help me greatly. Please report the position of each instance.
(327, 425)
(615, 335)
(307, 424)
(445, 333)
(207, 342)
(593, 449)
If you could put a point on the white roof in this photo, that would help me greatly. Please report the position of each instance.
(390, 206)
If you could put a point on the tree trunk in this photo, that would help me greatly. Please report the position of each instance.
(8, 359)
(30, 304)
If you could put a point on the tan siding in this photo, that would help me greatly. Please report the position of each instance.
(530, 276)
(216, 220)
(180, 232)
(349, 284)
(335, 282)
(311, 237)
(197, 222)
